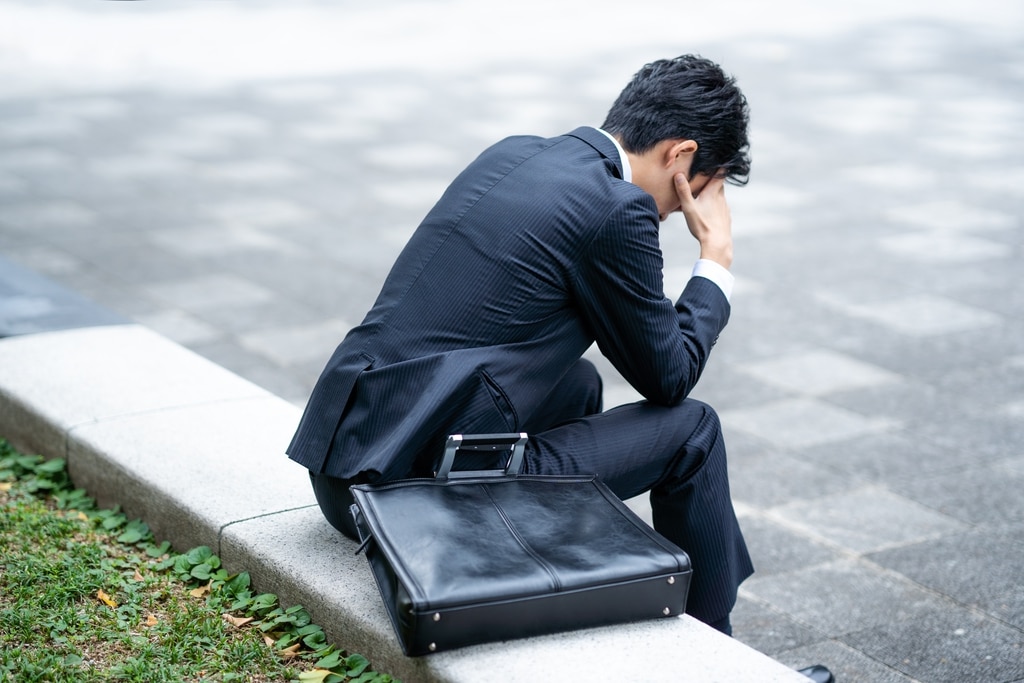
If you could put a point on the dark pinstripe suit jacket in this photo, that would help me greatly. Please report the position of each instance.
(535, 251)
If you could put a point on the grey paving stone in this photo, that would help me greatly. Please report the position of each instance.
(39, 127)
(1015, 464)
(97, 285)
(10, 185)
(982, 389)
(755, 482)
(980, 494)
(297, 344)
(891, 456)
(48, 216)
(979, 438)
(995, 296)
(846, 664)
(776, 549)
(131, 167)
(334, 290)
(840, 597)
(131, 262)
(28, 157)
(802, 422)
(30, 303)
(935, 247)
(952, 216)
(179, 326)
(230, 353)
(1014, 409)
(768, 631)
(259, 212)
(282, 382)
(278, 312)
(225, 124)
(204, 242)
(924, 315)
(312, 92)
(980, 568)
(909, 401)
(359, 262)
(723, 384)
(46, 261)
(210, 292)
(959, 280)
(251, 173)
(151, 213)
(163, 142)
(760, 330)
(88, 108)
(745, 449)
(945, 644)
(866, 519)
(817, 372)
(931, 359)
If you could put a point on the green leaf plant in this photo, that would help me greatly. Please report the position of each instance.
(89, 595)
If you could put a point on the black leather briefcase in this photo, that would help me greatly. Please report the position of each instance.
(480, 556)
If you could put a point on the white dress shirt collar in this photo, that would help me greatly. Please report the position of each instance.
(627, 172)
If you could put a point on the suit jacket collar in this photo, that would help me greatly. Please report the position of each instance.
(600, 142)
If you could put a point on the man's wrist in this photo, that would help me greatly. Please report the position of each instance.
(721, 255)
(717, 273)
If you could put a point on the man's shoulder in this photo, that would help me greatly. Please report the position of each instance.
(579, 168)
(592, 137)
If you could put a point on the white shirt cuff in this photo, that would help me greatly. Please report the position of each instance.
(717, 273)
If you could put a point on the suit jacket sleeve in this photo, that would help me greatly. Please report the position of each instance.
(658, 348)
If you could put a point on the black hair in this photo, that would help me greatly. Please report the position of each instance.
(686, 98)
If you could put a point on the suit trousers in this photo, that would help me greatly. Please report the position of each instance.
(675, 452)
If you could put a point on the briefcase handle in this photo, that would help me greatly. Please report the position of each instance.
(483, 442)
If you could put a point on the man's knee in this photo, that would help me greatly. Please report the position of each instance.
(700, 446)
(707, 435)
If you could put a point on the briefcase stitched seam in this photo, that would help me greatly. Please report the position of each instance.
(402, 572)
(556, 584)
(650, 533)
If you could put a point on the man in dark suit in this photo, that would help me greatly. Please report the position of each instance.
(540, 248)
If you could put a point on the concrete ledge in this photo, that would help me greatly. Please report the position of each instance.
(198, 453)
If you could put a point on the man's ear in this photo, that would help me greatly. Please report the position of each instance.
(678, 150)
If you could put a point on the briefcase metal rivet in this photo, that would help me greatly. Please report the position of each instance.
(437, 616)
(671, 580)
(432, 647)
(666, 611)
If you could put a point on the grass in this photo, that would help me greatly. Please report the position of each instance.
(88, 595)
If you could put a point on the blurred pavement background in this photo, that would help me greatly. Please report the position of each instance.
(239, 177)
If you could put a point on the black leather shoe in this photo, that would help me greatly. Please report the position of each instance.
(818, 674)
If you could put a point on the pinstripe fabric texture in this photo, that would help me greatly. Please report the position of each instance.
(537, 250)
(678, 454)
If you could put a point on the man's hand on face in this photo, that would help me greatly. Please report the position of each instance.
(707, 217)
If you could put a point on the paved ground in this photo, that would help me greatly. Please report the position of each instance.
(240, 181)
